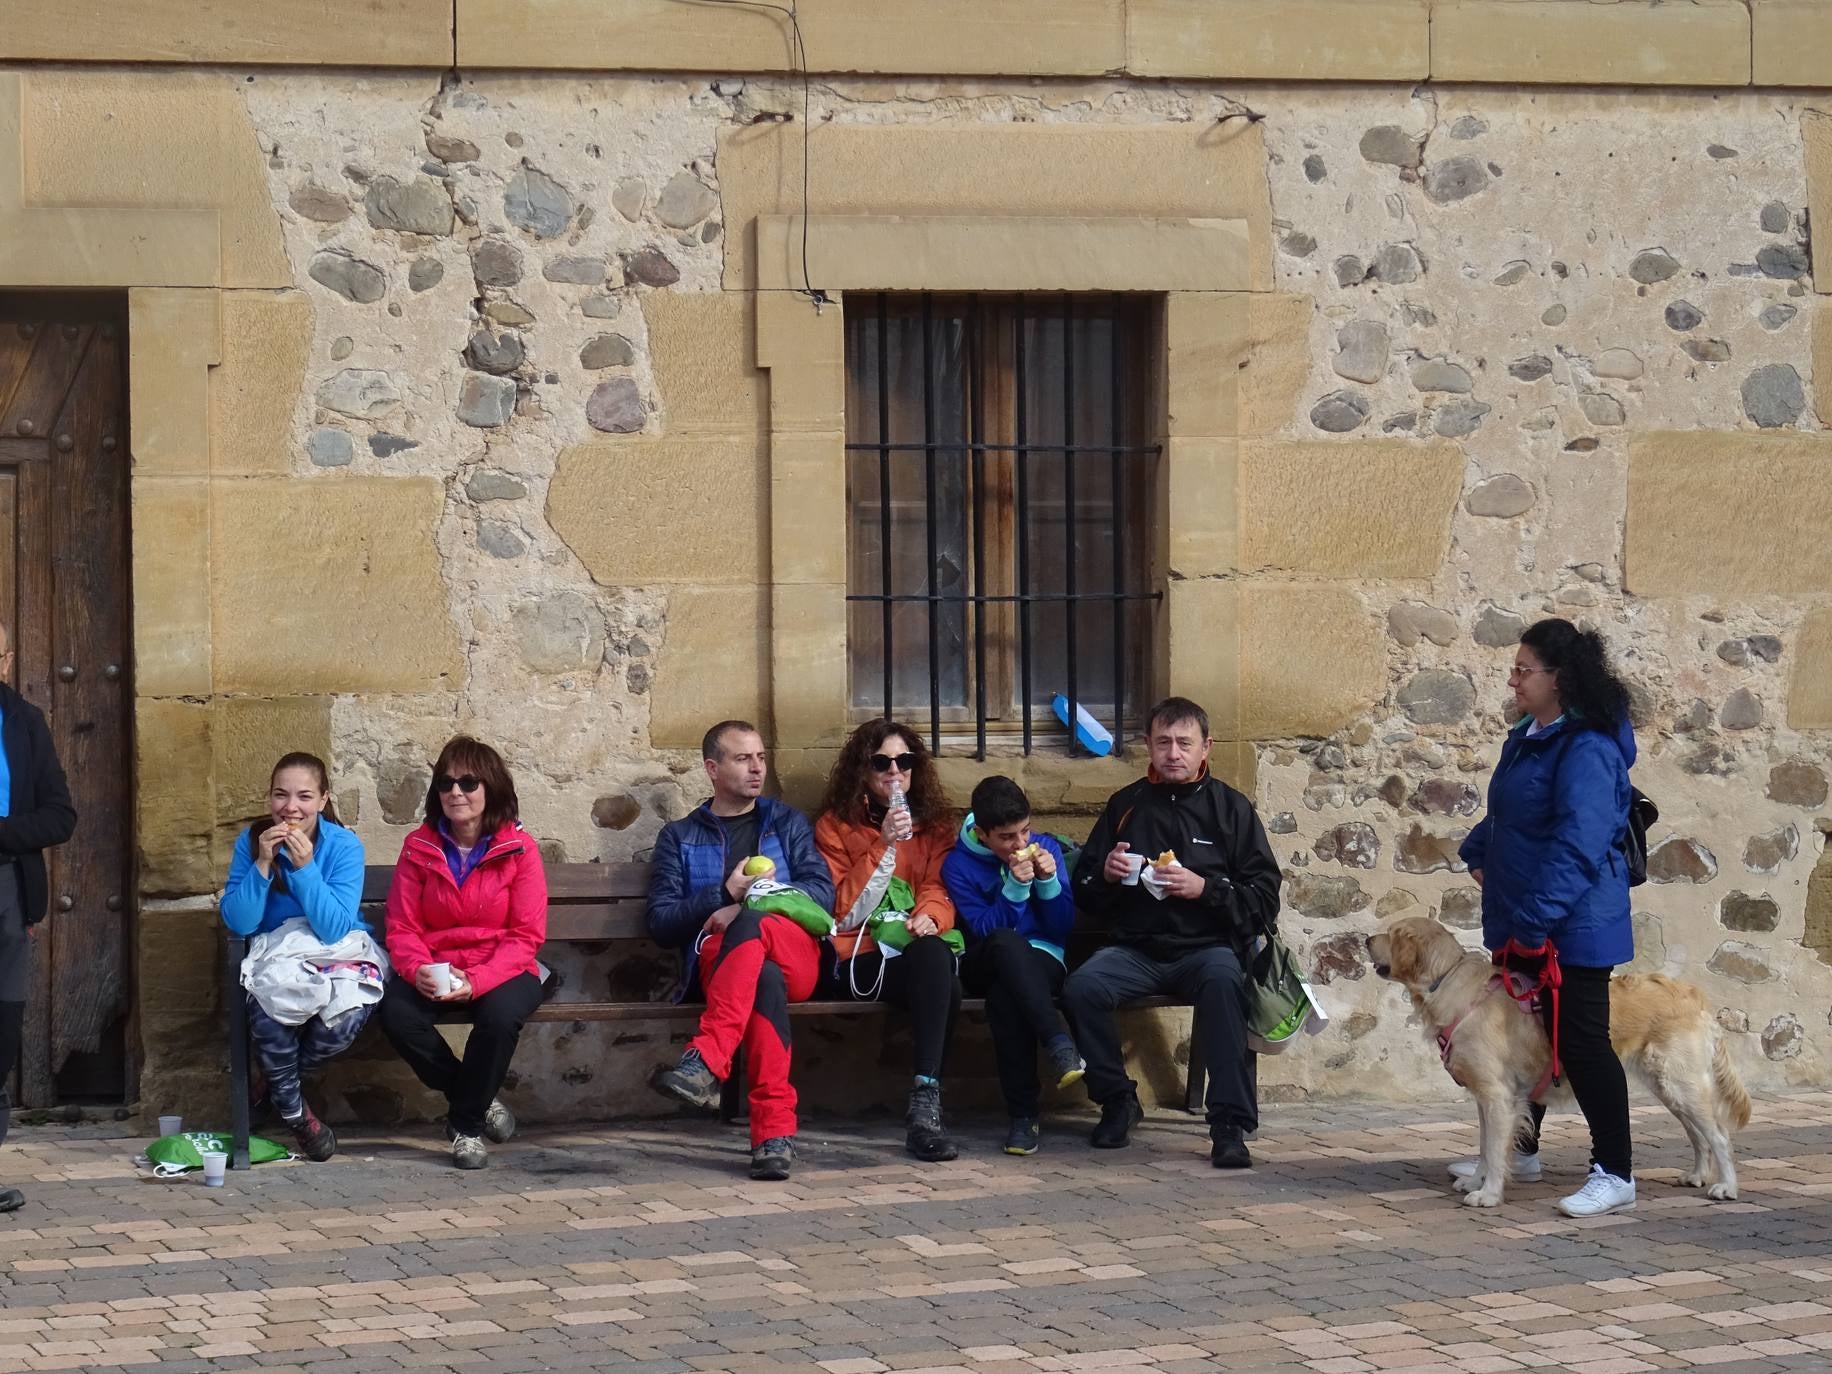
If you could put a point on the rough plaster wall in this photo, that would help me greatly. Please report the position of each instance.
(1477, 261)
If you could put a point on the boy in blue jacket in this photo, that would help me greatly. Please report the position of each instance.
(1014, 905)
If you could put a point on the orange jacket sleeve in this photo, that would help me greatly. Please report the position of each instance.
(852, 853)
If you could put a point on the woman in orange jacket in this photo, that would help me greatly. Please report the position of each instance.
(867, 842)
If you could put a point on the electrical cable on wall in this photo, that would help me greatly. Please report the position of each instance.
(799, 66)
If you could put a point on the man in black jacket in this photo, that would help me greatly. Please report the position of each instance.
(35, 814)
(1181, 930)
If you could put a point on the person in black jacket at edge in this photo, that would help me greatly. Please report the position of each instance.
(35, 814)
(1182, 930)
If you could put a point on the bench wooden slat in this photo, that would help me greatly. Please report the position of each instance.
(565, 882)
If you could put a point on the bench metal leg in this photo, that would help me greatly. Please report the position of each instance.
(238, 1052)
(1195, 1087)
(731, 1092)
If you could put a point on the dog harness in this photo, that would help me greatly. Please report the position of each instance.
(1534, 997)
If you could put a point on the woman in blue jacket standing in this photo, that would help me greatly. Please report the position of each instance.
(1550, 859)
(1013, 900)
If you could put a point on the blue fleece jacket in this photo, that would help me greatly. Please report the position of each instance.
(988, 898)
(328, 891)
(1550, 847)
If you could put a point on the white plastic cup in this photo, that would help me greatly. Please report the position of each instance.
(170, 1125)
(216, 1163)
(442, 978)
(1135, 865)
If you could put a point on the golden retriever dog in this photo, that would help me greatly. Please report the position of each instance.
(1662, 1030)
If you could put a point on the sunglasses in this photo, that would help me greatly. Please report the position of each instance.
(468, 784)
(903, 763)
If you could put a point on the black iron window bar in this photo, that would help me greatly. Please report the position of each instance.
(977, 448)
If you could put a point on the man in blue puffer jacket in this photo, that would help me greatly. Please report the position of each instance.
(748, 965)
(1006, 882)
(1551, 861)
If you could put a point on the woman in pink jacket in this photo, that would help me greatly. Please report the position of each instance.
(466, 913)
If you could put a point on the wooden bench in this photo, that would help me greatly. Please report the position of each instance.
(586, 903)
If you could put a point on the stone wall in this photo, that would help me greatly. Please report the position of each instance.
(491, 380)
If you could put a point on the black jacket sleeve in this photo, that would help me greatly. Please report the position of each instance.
(51, 819)
(1252, 889)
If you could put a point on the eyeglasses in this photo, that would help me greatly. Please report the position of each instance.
(903, 763)
(468, 784)
(1519, 672)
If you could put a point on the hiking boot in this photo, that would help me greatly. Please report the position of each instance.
(689, 1081)
(1521, 1168)
(1021, 1139)
(1229, 1150)
(317, 1141)
(1118, 1115)
(498, 1123)
(11, 1199)
(468, 1152)
(924, 1136)
(772, 1160)
(1066, 1062)
(1602, 1192)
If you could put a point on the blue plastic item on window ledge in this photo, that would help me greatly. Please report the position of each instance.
(1089, 732)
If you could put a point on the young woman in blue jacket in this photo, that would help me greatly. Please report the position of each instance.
(1014, 905)
(297, 861)
(1550, 859)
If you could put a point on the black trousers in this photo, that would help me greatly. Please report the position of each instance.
(921, 981)
(1211, 980)
(1021, 985)
(470, 1084)
(15, 981)
(1591, 1067)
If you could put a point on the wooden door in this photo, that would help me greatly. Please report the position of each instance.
(64, 587)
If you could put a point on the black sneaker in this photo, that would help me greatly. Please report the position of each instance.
(1021, 1139)
(1066, 1062)
(11, 1199)
(772, 1160)
(1230, 1150)
(1118, 1115)
(689, 1081)
(317, 1141)
(924, 1136)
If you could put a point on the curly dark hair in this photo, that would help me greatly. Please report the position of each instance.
(1588, 688)
(846, 785)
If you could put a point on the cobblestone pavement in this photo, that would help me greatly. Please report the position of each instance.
(645, 1248)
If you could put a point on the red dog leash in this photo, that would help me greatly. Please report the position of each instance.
(1529, 995)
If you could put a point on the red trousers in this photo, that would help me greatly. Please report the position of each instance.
(751, 971)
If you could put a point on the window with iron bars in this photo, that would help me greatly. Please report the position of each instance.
(1002, 479)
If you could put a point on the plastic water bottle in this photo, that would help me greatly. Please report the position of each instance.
(897, 800)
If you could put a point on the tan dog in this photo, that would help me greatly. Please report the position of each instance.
(1662, 1030)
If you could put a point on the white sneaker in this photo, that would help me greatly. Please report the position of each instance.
(1602, 1192)
(1521, 1168)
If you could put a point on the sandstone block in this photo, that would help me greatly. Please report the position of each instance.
(701, 503)
(703, 347)
(248, 735)
(1685, 489)
(1160, 171)
(370, 537)
(265, 341)
(1632, 43)
(1303, 40)
(177, 813)
(1816, 134)
(1809, 699)
(367, 33)
(713, 664)
(1791, 42)
(1360, 508)
(1312, 658)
